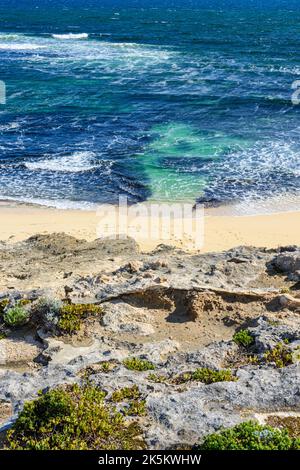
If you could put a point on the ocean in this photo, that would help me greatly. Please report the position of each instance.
(164, 101)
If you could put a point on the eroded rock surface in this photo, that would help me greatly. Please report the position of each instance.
(179, 311)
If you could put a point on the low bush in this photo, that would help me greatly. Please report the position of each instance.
(243, 338)
(73, 418)
(16, 316)
(140, 365)
(280, 355)
(126, 393)
(206, 375)
(136, 408)
(71, 316)
(250, 436)
(107, 366)
(157, 378)
(3, 305)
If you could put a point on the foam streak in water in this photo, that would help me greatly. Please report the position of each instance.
(70, 36)
(74, 163)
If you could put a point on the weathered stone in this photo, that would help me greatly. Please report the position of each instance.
(185, 417)
(122, 317)
(288, 263)
(177, 310)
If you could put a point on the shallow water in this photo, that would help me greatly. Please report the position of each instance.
(152, 103)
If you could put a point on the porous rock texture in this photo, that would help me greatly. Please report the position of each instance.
(178, 310)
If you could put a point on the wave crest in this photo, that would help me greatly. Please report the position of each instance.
(74, 163)
(20, 47)
(71, 36)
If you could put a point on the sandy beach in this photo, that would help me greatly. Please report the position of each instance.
(221, 232)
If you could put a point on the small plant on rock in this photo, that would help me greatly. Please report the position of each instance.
(157, 378)
(182, 378)
(243, 338)
(16, 316)
(126, 393)
(23, 303)
(273, 322)
(107, 366)
(48, 310)
(3, 305)
(209, 376)
(140, 365)
(131, 396)
(136, 408)
(206, 375)
(71, 316)
(285, 290)
(280, 355)
(250, 436)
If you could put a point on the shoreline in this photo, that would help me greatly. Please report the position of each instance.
(221, 231)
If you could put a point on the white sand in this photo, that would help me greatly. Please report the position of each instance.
(221, 232)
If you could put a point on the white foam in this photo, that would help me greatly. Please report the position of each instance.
(74, 163)
(70, 36)
(65, 204)
(20, 47)
(9, 127)
(263, 206)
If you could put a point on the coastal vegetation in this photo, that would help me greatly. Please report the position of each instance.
(147, 356)
(126, 393)
(250, 436)
(243, 338)
(71, 316)
(280, 355)
(72, 418)
(52, 314)
(16, 316)
(206, 376)
(137, 364)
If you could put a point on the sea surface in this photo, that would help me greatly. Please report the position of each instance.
(151, 100)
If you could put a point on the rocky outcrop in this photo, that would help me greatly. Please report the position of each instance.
(179, 311)
(289, 263)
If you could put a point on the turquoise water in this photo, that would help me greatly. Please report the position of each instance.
(184, 101)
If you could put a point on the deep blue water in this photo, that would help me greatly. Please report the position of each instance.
(184, 100)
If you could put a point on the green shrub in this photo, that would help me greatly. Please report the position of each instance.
(273, 322)
(285, 290)
(3, 305)
(182, 378)
(136, 408)
(23, 302)
(141, 365)
(103, 366)
(131, 395)
(207, 376)
(73, 418)
(107, 366)
(280, 355)
(126, 393)
(250, 436)
(157, 378)
(3, 335)
(243, 338)
(71, 316)
(16, 316)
